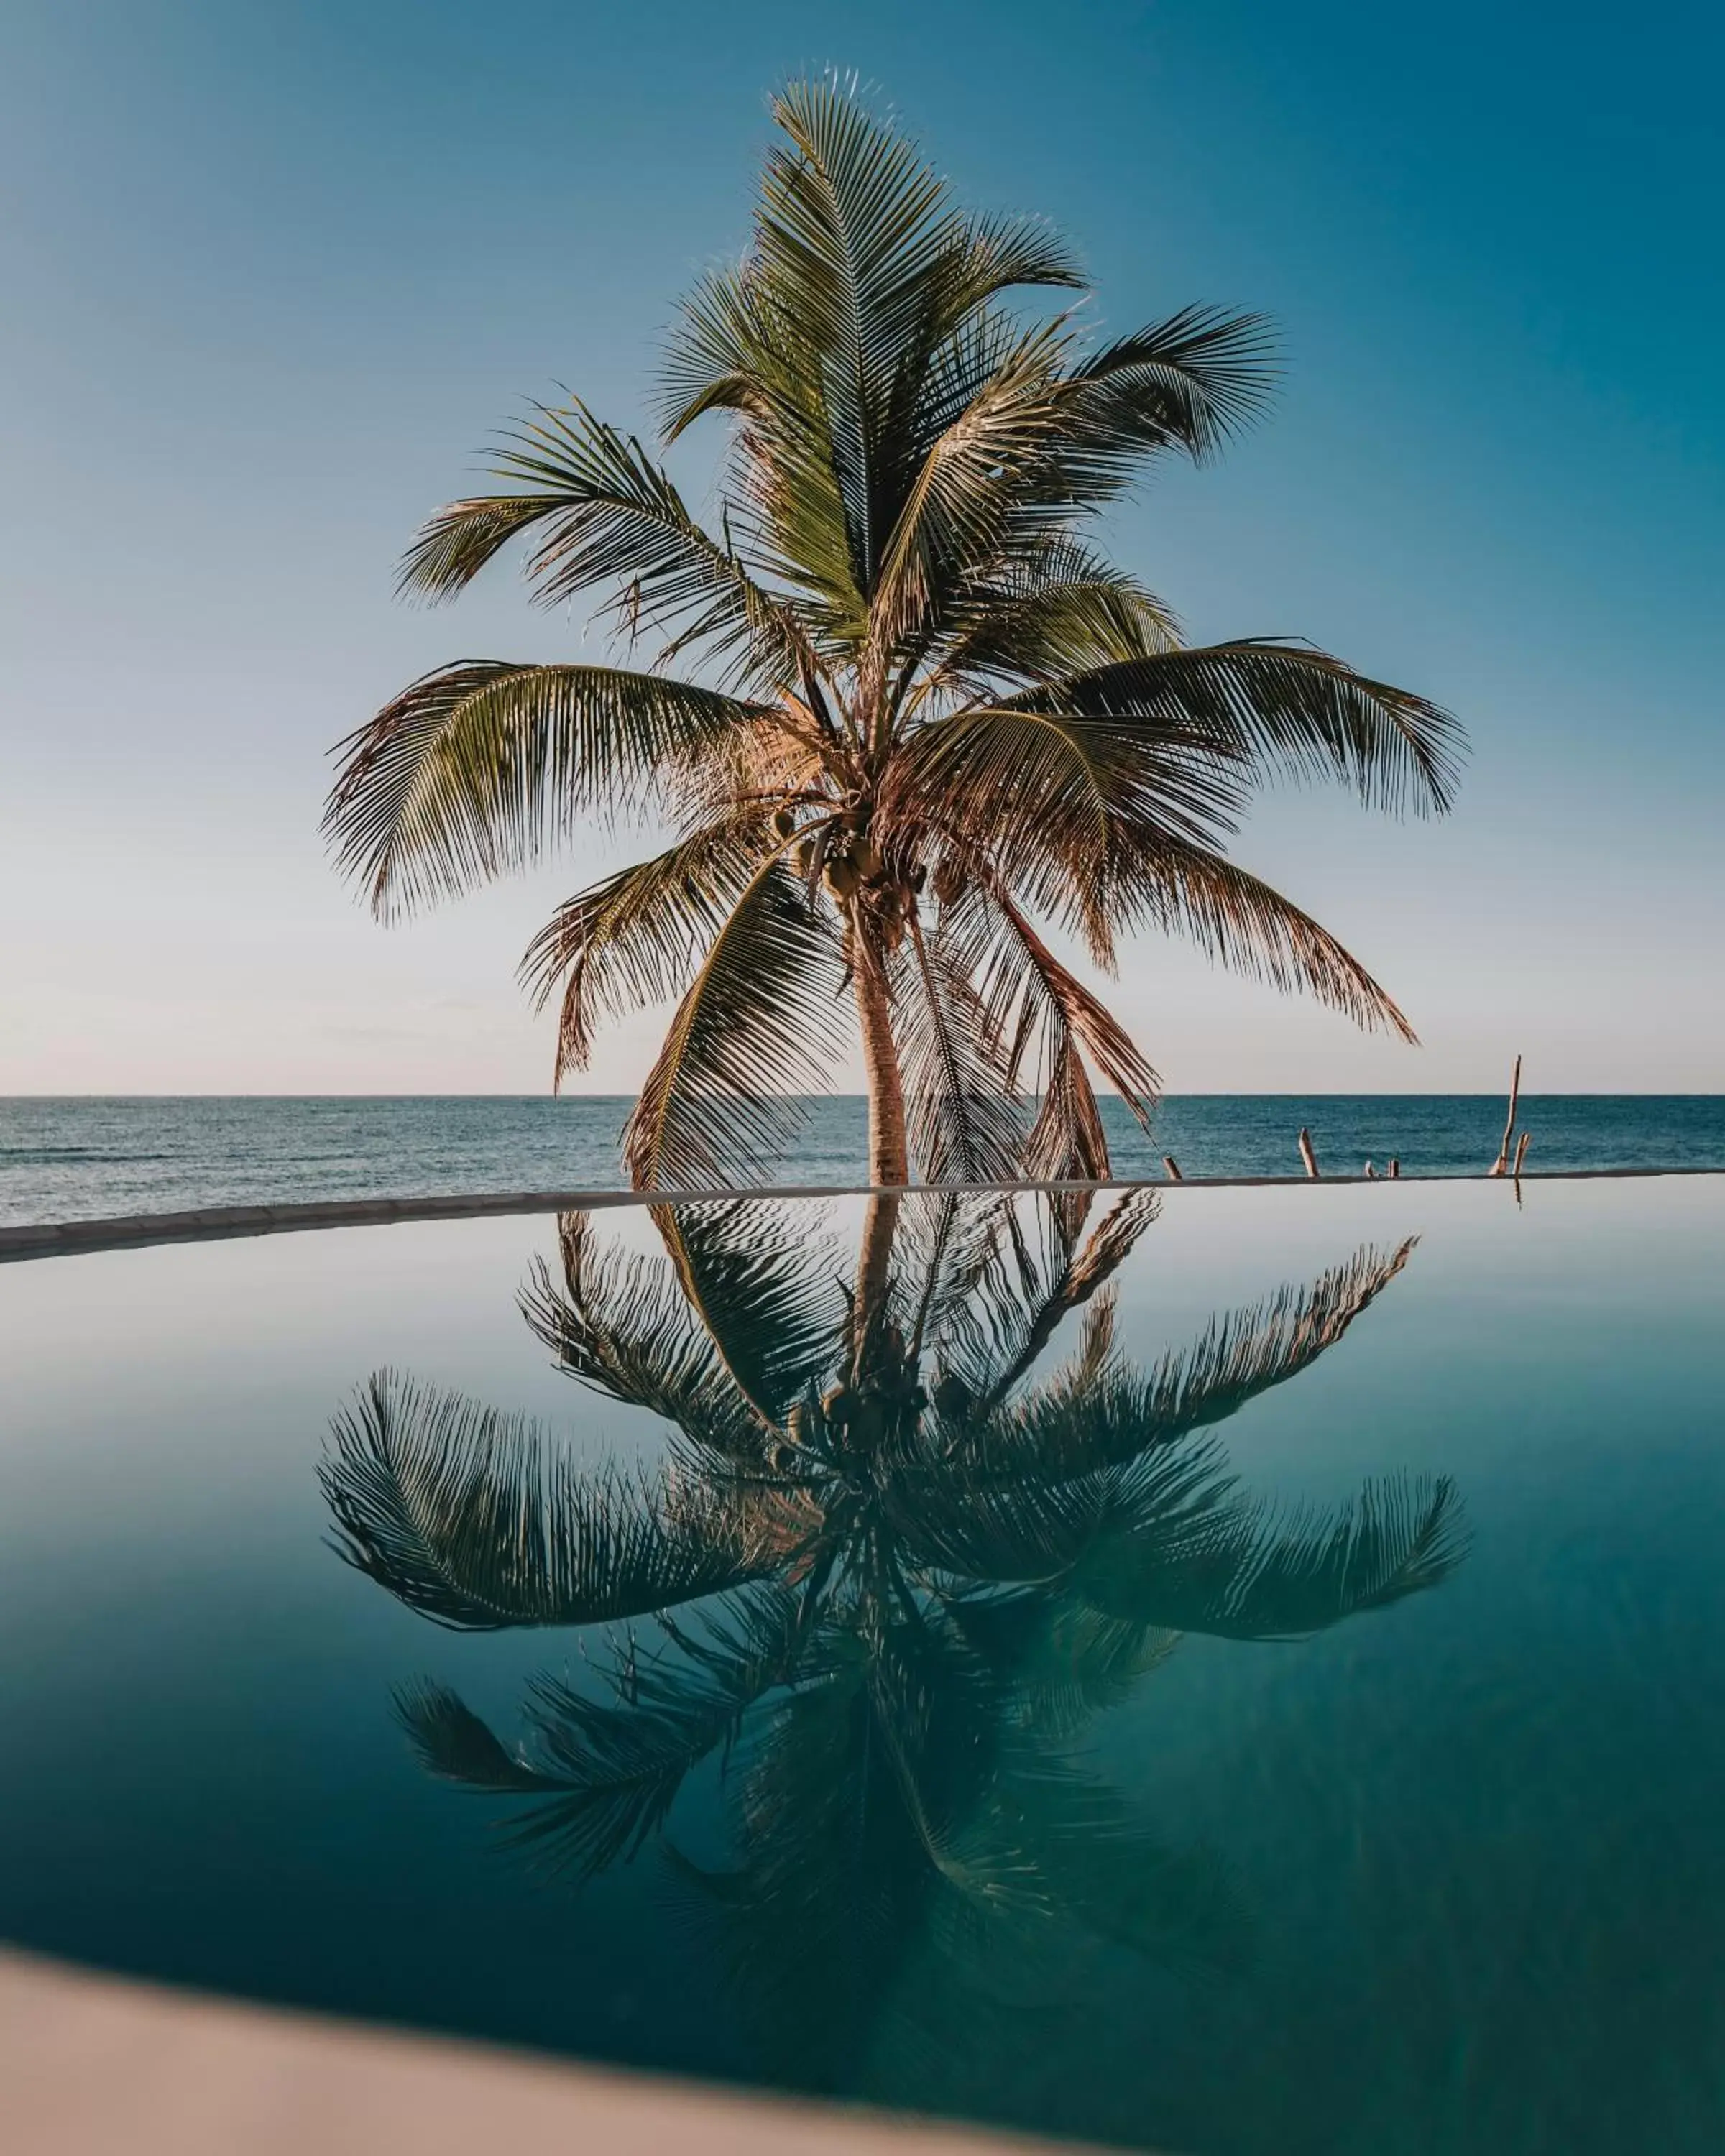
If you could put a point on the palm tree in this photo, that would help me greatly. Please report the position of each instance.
(888, 1575)
(923, 722)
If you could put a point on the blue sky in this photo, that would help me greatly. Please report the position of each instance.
(272, 273)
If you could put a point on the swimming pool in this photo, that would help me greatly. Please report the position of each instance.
(1210, 1670)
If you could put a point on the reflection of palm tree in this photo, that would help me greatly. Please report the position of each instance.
(919, 1574)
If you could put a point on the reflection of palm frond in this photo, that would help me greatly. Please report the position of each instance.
(968, 1528)
(766, 1290)
(1063, 1663)
(1245, 1354)
(1241, 1568)
(1022, 1287)
(912, 1601)
(1095, 1412)
(611, 1770)
(470, 1517)
(625, 1329)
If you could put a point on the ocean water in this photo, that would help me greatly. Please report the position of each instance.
(1238, 1672)
(84, 1158)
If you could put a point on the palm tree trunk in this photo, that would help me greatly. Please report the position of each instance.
(889, 1156)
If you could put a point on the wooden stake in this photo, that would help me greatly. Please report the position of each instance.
(1308, 1155)
(1371, 1173)
(1394, 1167)
(1173, 1166)
(1502, 1163)
(1520, 1155)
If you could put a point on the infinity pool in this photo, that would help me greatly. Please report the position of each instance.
(1210, 1671)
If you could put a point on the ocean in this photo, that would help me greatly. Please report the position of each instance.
(82, 1158)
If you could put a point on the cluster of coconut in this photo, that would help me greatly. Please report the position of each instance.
(844, 856)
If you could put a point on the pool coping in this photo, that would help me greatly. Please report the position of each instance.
(214, 1223)
(97, 2064)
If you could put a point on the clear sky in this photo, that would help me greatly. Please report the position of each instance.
(272, 270)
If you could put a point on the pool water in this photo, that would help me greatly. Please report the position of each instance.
(1208, 1670)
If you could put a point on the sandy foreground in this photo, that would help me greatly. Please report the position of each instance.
(98, 2065)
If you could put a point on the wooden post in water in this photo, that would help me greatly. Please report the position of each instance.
(1307, 1154)
(1371, 1173)
(1500, 1166)
(1172, 1168)
(1520, 1155)
(1395, 1168)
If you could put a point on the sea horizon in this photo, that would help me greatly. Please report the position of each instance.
(67, 1157)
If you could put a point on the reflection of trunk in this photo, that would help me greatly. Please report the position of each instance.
(874, 1274)
(889, 1158)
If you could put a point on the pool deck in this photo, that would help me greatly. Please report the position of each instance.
(97, 2066)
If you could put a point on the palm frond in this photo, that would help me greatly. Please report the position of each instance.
(473, 1518)
(634, 938)
(1051, 1021)
(1279, 706)
(1059, 801)
(960, 1106)
(484, 767)
(976, 1528)
(1185, 383)
(604, 514)
(757, 1025)
(969, 485)
(1065, 612)
(1241, 923)
(1099, 1414)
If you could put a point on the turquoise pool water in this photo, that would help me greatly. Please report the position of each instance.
(1233, 1671)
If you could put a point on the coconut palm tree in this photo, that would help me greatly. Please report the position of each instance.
(919, 721)
(889, 1575)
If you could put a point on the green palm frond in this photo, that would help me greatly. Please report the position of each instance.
(1013, 1313)
(473, 1518)
(1099, 1414)
(1068, 612)
(1062, 1664)
(756, 1026)
(604, 513)
(1051, 1021)
(963, 1117)
(970, 489)
(1241, 923)
(1053, 800)
(1281, 706)
(1187, 383)
(634, 938)
(484, 767)
(1023, 1530)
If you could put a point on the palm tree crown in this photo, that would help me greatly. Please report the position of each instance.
(932, 721)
